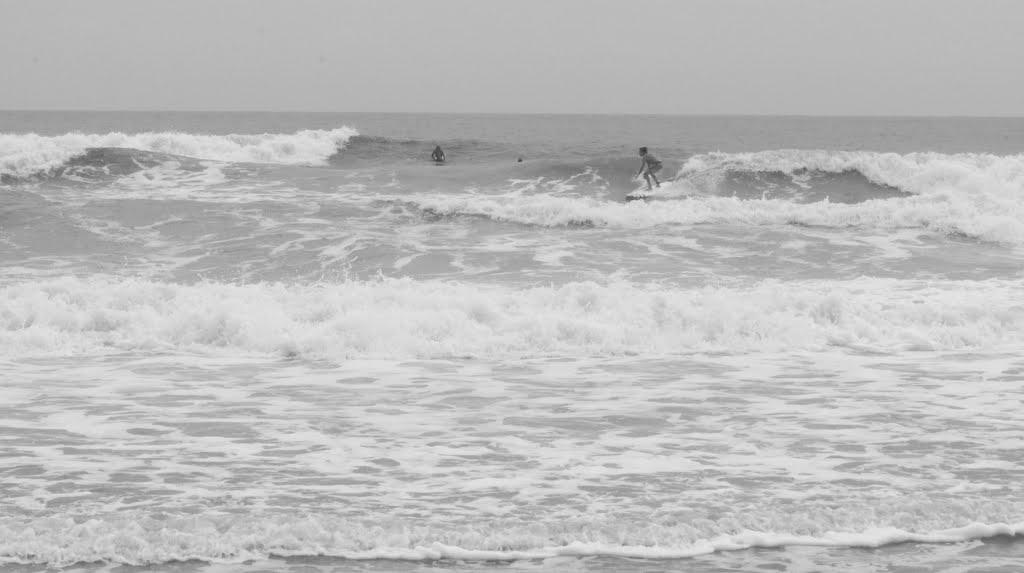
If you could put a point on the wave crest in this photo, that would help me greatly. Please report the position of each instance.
(27, 155)
(916, 173)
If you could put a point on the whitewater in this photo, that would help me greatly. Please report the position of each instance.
(290, 342)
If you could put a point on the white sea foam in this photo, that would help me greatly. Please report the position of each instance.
(953, 214)
(143, 540)
(24, 155)
(911, 173)
(407, 318)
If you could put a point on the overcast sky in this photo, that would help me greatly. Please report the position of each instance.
(814, 57)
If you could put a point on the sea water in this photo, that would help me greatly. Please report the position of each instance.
(290, 342)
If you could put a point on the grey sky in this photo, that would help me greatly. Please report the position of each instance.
(904, 57)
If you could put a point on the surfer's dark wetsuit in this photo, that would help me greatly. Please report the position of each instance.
(437, 155)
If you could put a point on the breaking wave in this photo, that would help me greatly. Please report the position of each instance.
(997, 177)
(404, 318)
(915, 173)
(27, 155)
(973, 195)
(952, 213)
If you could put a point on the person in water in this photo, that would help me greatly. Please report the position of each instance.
(437, 155)
(649, 165)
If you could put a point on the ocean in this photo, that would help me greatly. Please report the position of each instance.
(289, 342)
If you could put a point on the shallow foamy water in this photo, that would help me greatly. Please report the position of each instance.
(144, 460)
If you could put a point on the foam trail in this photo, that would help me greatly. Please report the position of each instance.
(24, 155)
(404, 318)
(142, 540)
(979, 216)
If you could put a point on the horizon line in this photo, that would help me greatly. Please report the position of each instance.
(517, 113)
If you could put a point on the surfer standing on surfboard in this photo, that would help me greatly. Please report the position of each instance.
(437, 155)
(649, 165)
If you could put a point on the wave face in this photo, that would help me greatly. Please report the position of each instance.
(972, 194)
(388, 150)
(400, 319)
(914, 173)
(27, 155)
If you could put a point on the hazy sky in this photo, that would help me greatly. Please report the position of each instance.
(905, 57)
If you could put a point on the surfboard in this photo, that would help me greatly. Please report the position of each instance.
(644, 193)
